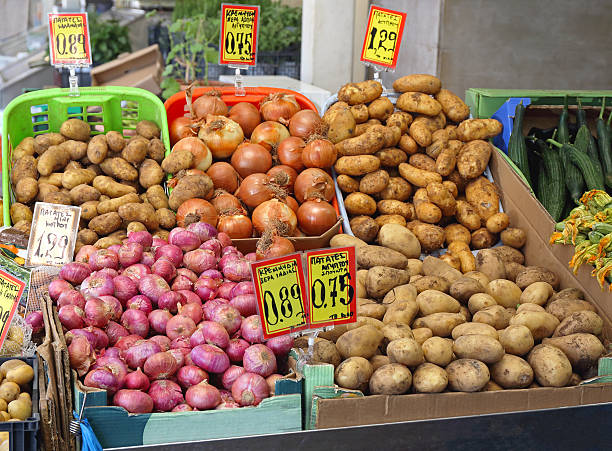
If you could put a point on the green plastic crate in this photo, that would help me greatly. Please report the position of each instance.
(105, 108)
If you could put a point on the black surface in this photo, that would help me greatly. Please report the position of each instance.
(571, 428)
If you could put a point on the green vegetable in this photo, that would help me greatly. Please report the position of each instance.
(602, 227)
(551, 187)
(563, 129)
(605, 154)
(595, 237)
(584, 163)
(583, 143)
(517, 149)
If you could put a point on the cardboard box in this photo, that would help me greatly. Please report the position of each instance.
(141, 69)
(524, 212)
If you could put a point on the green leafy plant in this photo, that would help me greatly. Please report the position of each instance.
(108, 39)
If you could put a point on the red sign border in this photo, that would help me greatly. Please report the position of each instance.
(353, 273)
(22, 285)
(399, 36)
(224, 7)
(86, 44)
(298, 260)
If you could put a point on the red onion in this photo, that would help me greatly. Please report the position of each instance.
(130, 253)
(140, 302)
(71, 297)
(193, 311)
(213, 245)
(125, 342)
(211, 306)
(213, 274)
(251, 330)
(182, 408)
(103, 258)
(172, 252)
(84, 253)
(115, 331)
(100, 338)
(231, 250)
(140, 351)
(199, 260)
(179, 355)
(225, 289)
(113, 307)
(136, 322)
(228, 316)
(59, 286)
(225, 405)
(180, 326)
(71, 317)
(81, 354)
(114, 248)
(97, 284)
(35, 321)
(184, 239)
(250, 389)
(163, 267)
(96, 313)
(104, 379)
(180, 343)
(158, 320)
(162, 341)
(203, 230)
(242, 288)
(115, 364)
(203, 396)
(187, 273)
(134, 401)
(125, 288)
(148, 258)
(226, 395)
(210, 358)
(137, 272)
(108, 271)
(89, 336)
(137, 380)
(153, 286)
(246, 304)
(191, 375)
(190, 297)
(271, 381)
(75, 272)
(259, 359)
(211, 333)
(206, 288)
(236, 269)
(181, 283)
(280, 345)
(157, 242)
(166, 395)
(235, 349)
(170, 301)
(251, 257)
(230, 375)
(224, 238)
(111, 352)
(161, 365)
(141, 237)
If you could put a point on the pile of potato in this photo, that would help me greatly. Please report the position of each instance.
(425, 327)
(15, 403)
(115, 181)
(420, 166)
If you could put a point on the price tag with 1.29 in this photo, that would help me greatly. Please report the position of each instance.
(331, 281)
(238, 39)
(69, 39)
(383, 37)
(280, 290)
(11, 289)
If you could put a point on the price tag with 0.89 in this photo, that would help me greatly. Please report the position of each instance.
(69, 39)
(238, 39)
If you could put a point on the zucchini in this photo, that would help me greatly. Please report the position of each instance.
(605, 155)
(595, 237)
(517, 149)
(573, 178)
(589, 172)
(563, 129)
(586, 143)
(551, 185)
(582, 138)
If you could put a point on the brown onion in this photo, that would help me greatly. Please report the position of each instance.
(269, 246)
(221, 135)
(251, 158)
(305, 123)
(224, 176)
(319, 153)
(289, 152)
(202, 157)
(313, 183)
(180, 128)
(274, 215)
(209, 103)
(235, 225)
(292, 203)
(222, 200)
(269, 134)
(255, 189)
(279, 107)
(284, 176)
(196, 210)
(316, 217)
(247, 115)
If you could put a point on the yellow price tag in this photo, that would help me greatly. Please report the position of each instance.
(280, 292)
(69, 40)
(383, 36)
(238, 40)
(11, 289)
(331, 279)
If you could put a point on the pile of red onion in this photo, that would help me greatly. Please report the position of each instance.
(168, 325)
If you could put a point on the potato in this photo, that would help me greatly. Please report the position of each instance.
(357, 165)
(455, 247)
(550, 366)
(20, 212)
(395, 207)
(399, 119)
(408, 144)
(509, 254)
(439, 195)
(360, 113)
(189, 187)
(474, 329)
(46, 140)
(564, 307)
(334, 334)
(105, 224)
(107, 241)
(75, 129)
(505, 292)
(516, 339)
(417, 83)
(457, 232)
(381, 279)
(394, 331)
(584, 321)
(537, 293)
(9, 365)
(119, 168)
(445, 161)
(530, 308)
(379, 360)
(110, 205)
(423, 162)
(135, 226)
(482, 239)
(76, 177)
(582, 350)
(365, 321)
(454, 108)
(405, 351)
(135, 151)
(382, 220)
(391, 379)
(483, 197)
(418, 177)
(489, 263)
(380, 108)
(360, 204)
(479, 276)
(473, 129)
(541, 324)
(400, 239)
(115, 141)
(497, 222)
(44, 189)
(110, 187)
(417, 102)
(441, 324)
(342, 240)
(495, 316)
(21, 374)
(434, 150)
(87, 236)
(433, 266)
(364, 228)
(9, 391)
(324, 351)
(370, 256)
(144, 213)
(58, 198)
(400, 294)
(451, 260)
(401, 312)
(353, 373)
(429, 378)
(438, 350)
(513, 237)
(360, 342)
(156, 150)
(54, 159)
(436, 283)
(363, 92)
(432, 301)
(464, 288)
(512, 270)
(512, 372)
(83, 193)
(371, 308)
(150, 173)
(148, 129)
(467, 216)
(571, 293)
(374, 182)
(533, 274)
(481, 347)
(97, 149)
(480, 301)
(426, 211)
(28, 146)
(178, 160)
(26, 190)
(166, 218)
(467, 375)
(340, 124)
(20, 409)
(24, 167)
(473, 158)
(347, 183)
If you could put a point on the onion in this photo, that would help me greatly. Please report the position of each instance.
(98, 284)
(35, 320)
(158, 320)
(58, 286)
(206, 288)
(259, 359)
(125, 342)
(224, 176)
(140, 302)
(202, 157)
(270, 245)
(190, 297)
(236, 269)
(251, 158)
(181, 283)
(113, 364)
(210, 358)
(96, 313)
(230, 375)
(193, 311)
(279, 107)
(315, 217)
(222, 201)
(289, 152)
(111, 352)
(136, 322)
(184, 239)
(269, 134)
(251, 330)
(148, 258)
(236, 225)
(274, 215)
(280, 345)
(229, 249)
(283, 176)
(84, 253)
(255, 189)
(221, 135)
(100, 337)
(158, 242)
(182, 408)
(250, 389)
(225, 405)
(209, 103)
(89, 336)
(136, 354)
(196, 210)
(246, 115)
(180, 343)
(113, 248)
(235, 349)
(130, 253)
(104, 379)
(163, 341)
(166, 395)
(153, 286)
(164, 268)
(73, 272)
(71, 297)
(271, 381)
(115, 331)
(160, 365)
(319, 153)
(134, 401)
(81, 354)
(203, 396)
(199, 260)
(228, 316)
(292, 204)
(246, 304)
(113, 307)
(251, 257)
(214, 245)
(125, 288)
(225, 289)
(71, 317)
(305, 123)
(136, 272)
(209, 307)
(141, 237)
(189, 274)
(137, 380)
(103, 258)
(171, 252)
(210, 332)
(314, 183)
(190, 375)
(180, 326)
(180, 128)
(224, 239)
(242, 288)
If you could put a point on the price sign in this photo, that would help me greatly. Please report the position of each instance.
(11, 289)
(69, 40)
(331, 280)
(53, 236)
(238, 40)
(383, 37)
(280, 291)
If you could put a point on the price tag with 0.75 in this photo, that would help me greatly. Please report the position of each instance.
(238, 39)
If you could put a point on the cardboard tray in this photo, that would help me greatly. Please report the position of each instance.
(352, 409)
